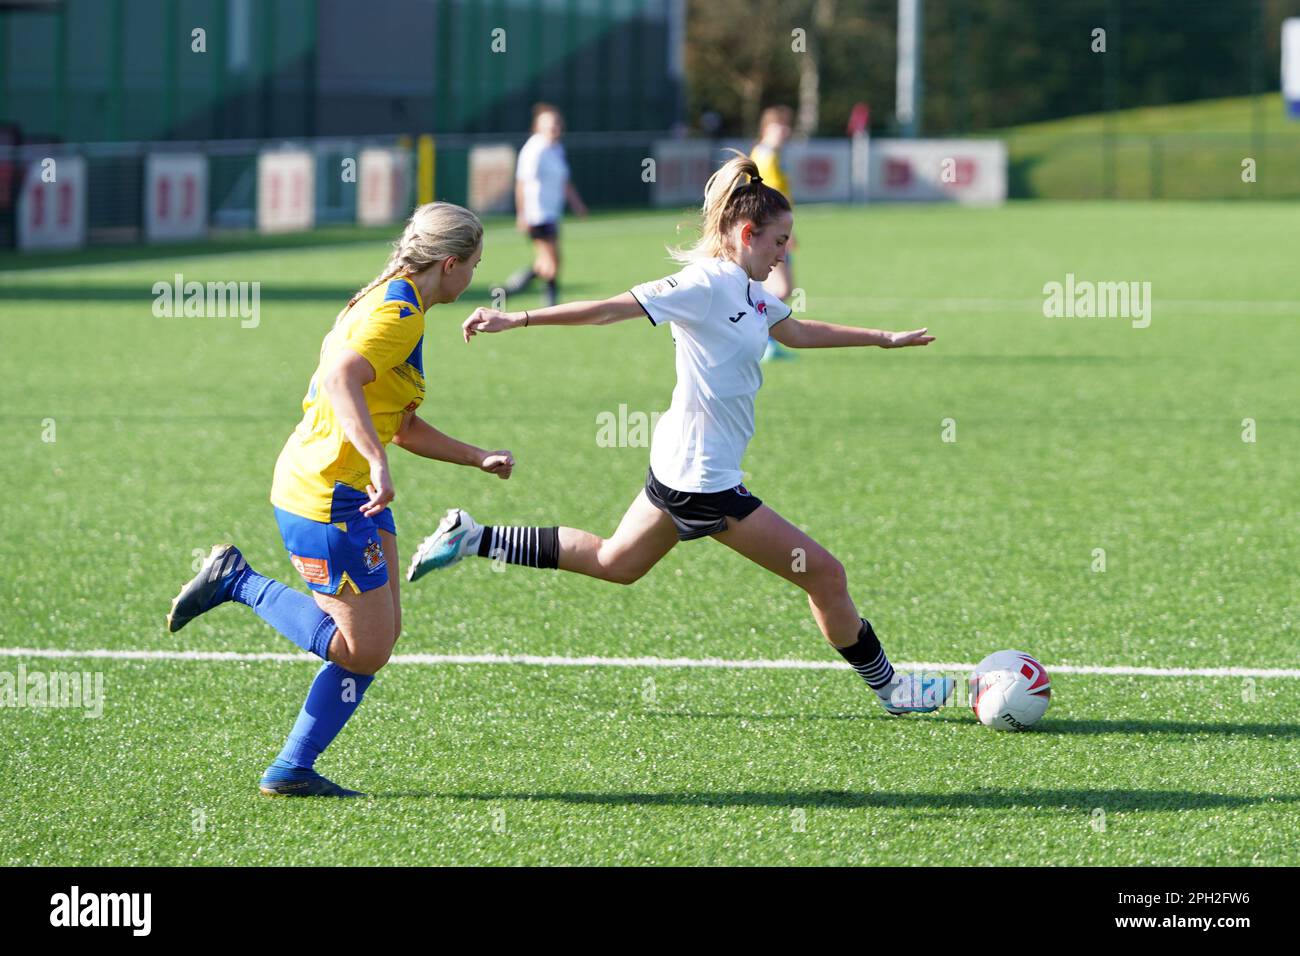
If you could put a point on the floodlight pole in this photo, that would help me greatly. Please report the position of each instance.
(907, 79)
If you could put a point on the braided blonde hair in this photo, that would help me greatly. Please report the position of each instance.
(435, 231)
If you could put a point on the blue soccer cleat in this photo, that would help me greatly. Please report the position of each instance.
(210, 587)
(918, 693)
(301, 782)
(456, 534)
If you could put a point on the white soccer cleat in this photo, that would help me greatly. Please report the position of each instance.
(457, 533)
(918, 693)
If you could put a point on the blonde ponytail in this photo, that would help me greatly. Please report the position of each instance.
(734, 193)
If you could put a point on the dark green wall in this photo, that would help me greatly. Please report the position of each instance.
(108, 70)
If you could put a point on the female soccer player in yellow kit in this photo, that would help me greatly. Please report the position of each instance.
(774, 128)
(332, 490)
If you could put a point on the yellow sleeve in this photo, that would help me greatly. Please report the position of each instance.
(387, 336)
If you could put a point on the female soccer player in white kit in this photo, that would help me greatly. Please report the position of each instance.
(542, 187)
(721, 317)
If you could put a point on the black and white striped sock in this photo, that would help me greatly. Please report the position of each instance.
(868, 658)
(532, 547)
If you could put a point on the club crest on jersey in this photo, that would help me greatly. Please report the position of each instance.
(761, 306)
(373, 556)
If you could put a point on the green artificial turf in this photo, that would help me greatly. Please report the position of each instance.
(1072, 435)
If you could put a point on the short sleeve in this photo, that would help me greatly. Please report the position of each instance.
(529, 157)
(775, 310)
(388, 335)
(684, 297)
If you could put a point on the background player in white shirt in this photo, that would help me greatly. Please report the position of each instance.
(542, 186)
(720, 315)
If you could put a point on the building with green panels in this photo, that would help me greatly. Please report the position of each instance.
(133, 70)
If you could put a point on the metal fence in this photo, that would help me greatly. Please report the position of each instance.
(115, 180)
(606, 169)
(1182, 165)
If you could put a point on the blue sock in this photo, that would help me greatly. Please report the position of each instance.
(292, 613)
(334, 695)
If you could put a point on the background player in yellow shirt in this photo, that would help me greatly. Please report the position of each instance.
(332, 490)
(774, 128)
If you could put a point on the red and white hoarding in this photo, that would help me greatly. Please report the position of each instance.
(682, 167)
(52, 204)
(936, 170)
(286, 190)
(383, 186)
(175, 196)
(818, 170)
(492, 178)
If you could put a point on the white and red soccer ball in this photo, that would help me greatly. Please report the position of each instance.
(1009, 690)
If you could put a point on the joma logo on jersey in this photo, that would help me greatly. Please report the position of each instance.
(737, 317)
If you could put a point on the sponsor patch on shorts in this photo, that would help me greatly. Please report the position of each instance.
(313, 570)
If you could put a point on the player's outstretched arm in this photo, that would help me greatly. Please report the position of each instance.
(593, 312)
(806, 334)
(420, 438)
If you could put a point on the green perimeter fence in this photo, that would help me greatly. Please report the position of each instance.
(605, 167)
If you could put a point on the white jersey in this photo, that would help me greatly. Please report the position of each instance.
(544, 172)
(720, 321)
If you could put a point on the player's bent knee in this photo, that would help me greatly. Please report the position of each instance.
(369, 661)
(829, 578)
(624, 575)
(359, 658)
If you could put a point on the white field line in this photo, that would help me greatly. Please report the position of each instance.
(534, 660)
(967, 305)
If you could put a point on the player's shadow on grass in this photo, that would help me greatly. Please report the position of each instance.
(1189, 727)
(268, 291)
(1049, 725)
(1039, 359)
(1080, 800)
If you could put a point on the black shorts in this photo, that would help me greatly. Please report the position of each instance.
(547, 230)
(697, 514)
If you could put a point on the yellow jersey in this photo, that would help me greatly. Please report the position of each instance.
(386, 326)
(768, 161)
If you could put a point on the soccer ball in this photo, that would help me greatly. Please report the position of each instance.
(1009, 691)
